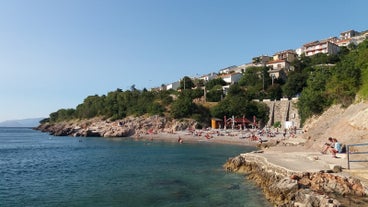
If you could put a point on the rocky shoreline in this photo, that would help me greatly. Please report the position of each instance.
(287, 188)
(293, 185)
(130, 126)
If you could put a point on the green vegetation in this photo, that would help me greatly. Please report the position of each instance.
(337, 84)
(319, 81)
(277, 124)
(214, 88)
(239, 104)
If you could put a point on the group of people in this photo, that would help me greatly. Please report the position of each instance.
(333, 146)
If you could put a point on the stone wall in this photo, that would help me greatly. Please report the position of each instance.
(283, 110)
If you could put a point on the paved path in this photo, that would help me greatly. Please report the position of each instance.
(292, 158)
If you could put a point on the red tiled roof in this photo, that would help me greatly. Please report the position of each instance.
(275, 61)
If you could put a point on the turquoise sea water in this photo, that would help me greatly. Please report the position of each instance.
(37, 169)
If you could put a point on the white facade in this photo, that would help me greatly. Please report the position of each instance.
(324, 46)
(348, 34)
(227, 70)
(208, 77)
(173, 86)
(278, 64)
(231, 78)
(360, 38)
(299, 51)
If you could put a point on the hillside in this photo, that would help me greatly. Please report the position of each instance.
(348, 125)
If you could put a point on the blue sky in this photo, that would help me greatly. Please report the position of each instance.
(53, 54)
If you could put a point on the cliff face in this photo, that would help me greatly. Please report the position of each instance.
(286, 188)
(121, 128)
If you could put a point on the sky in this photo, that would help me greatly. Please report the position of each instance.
(55, 53)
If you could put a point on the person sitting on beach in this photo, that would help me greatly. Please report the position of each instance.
(327, 145)
(336, 148)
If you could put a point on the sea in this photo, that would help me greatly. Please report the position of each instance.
(37, 169)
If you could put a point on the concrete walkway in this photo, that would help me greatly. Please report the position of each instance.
(293, 159)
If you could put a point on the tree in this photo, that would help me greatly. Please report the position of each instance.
(345, 81)
(182, 107)
(274, 92)
(252, 78)
(186, 83)
(295, 83)
(313, 99)
(215, 94)
(214, 83)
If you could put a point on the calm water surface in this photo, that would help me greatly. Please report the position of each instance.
(37, 169)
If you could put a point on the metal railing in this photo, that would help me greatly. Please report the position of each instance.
(349, 153)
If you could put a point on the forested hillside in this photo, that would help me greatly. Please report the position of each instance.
(319, 81)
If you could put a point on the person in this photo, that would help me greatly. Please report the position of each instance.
(180, 140)
(336, 147)
(327, 145)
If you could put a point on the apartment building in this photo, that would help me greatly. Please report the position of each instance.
(288, 55)
(323, 46)
(348, 34)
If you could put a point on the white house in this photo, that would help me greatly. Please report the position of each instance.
(348, 34)
(227, 69)
(323, 46)
(173, 86)
(279, 64)
(299, 51)
(208, 77)
(231, 78)
(278, 69)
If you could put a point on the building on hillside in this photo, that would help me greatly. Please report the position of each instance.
(279, 64)
(299, 51)
(278, 69)
(360, 38)
(261, 60)
(160, 88)
(227, 69)
(173, 86)
(288, 55)
(323, 46)
(242, 68)
(277, 74)
(239, 69)
(208, 77)
(231, 78)
(348, 34)
(345, 42)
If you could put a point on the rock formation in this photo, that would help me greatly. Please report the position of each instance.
(129, 126)
(287, 188)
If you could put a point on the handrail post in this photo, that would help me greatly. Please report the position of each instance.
(348, 154)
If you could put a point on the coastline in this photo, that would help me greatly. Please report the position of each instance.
(187, 137)
(289, 173)
(292, 165)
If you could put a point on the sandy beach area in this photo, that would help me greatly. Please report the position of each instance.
(220, 136)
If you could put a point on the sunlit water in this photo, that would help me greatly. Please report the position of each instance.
(37, 169)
